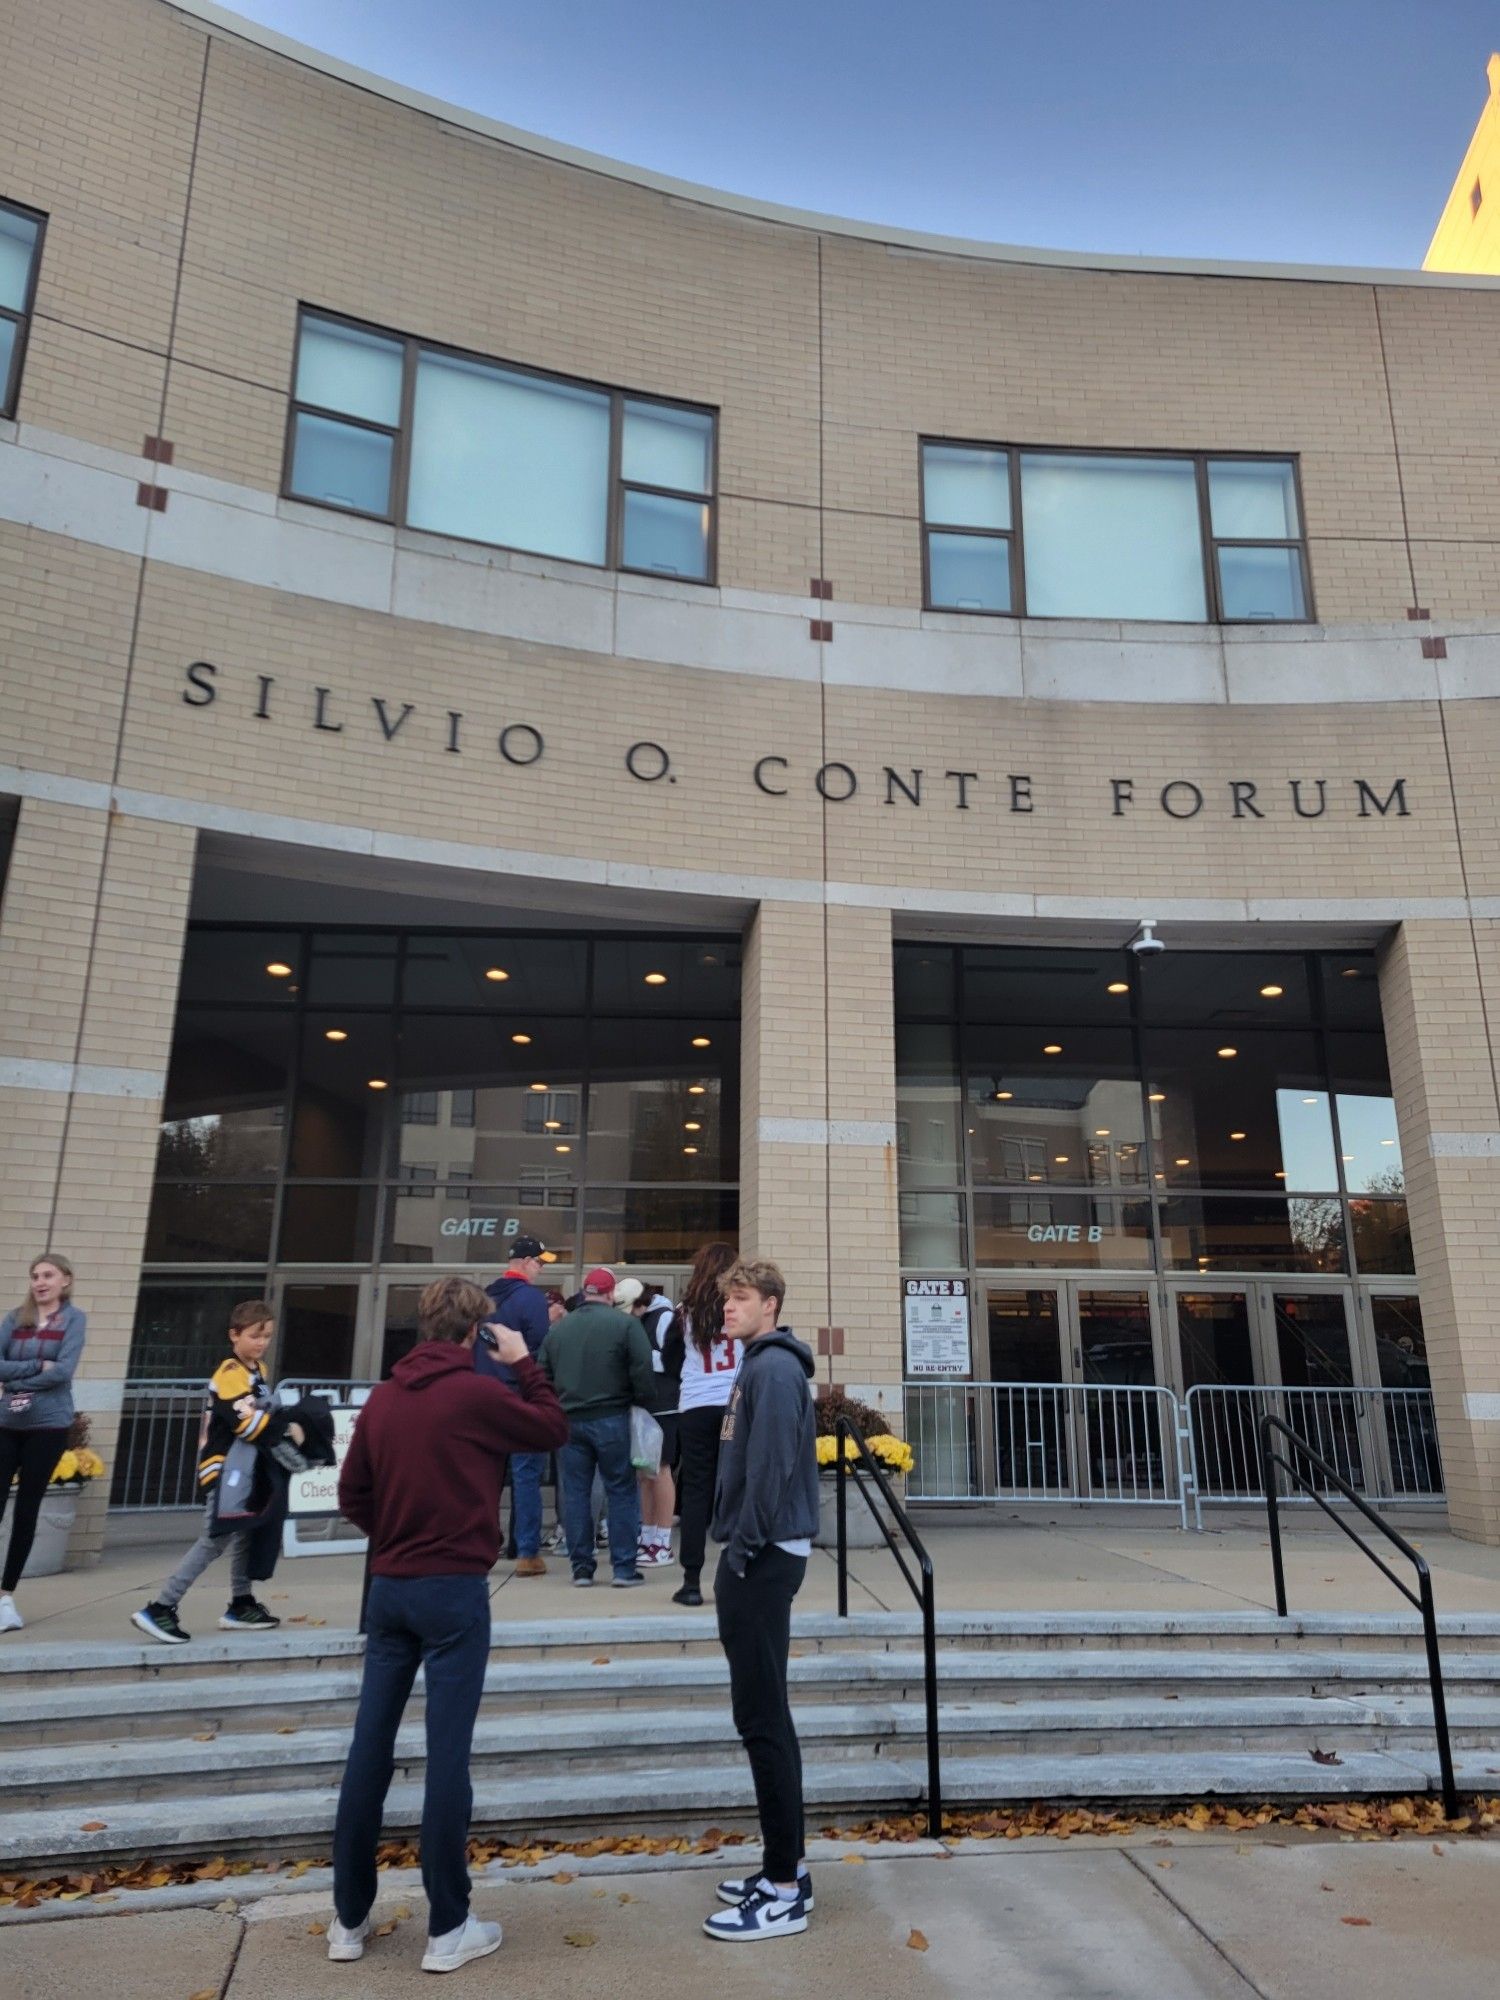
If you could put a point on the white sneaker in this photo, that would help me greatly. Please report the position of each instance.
(346, 1946)
(10, 1619)
(472, 1939)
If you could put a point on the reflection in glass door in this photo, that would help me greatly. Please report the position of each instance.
(1024, 1431)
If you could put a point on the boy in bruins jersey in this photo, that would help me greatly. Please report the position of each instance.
(239, 1408)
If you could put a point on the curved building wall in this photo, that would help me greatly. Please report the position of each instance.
(212, 692)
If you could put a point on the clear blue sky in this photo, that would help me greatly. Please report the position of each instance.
(1323, 131)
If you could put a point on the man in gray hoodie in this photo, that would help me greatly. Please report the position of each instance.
(765, 1514)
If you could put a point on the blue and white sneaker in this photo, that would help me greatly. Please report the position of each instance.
(760, 1913)
(735, 1888)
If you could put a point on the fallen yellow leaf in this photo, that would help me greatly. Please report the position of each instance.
(384, 1930)
(916, 1942)
(580, 1940)
(1356, 1923)
(317, 1930)
(94, 1826)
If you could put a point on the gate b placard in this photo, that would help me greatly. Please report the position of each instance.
(937, 1327)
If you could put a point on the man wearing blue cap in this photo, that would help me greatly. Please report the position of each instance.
(520, 1303)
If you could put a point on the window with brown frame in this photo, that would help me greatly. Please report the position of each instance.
(20, 254)
(1194, 537)
(400, 430)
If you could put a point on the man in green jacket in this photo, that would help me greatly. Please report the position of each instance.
(599, 1361)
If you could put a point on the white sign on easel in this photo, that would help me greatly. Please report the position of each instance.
(937, 1326)
(314, 1496)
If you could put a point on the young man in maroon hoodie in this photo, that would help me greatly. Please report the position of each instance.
(423, 1479)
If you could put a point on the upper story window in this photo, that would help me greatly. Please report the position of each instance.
(1075, 534)
(428, 438)
(20, 253)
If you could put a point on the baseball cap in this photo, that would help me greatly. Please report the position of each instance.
(525, 1246)
(599, 1280)
(627, 1292)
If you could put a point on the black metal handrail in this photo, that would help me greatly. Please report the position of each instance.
(1420, 1598)
(924, 1592)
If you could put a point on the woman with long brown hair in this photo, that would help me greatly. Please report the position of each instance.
(709, 1364)
(40, 1343)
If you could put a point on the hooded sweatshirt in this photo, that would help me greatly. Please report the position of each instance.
(427, 1460)
(767, 1487)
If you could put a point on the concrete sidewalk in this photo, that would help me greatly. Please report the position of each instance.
(983, 1562)
(1142, 1918)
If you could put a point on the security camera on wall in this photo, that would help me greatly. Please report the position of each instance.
(1145, 943)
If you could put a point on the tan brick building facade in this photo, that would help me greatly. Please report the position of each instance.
(201, 181)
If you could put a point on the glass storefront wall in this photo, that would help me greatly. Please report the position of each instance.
(1217, 1128)
(344, 1105)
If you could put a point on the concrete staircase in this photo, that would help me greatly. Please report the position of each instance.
(236, 1742)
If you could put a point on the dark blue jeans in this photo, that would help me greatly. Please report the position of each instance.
(526, 1472)
(442, 1624)
(603, 1442)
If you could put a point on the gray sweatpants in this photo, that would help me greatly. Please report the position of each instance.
(207, 1549)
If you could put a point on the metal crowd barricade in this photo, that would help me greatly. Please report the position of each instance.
(156, 1454)
(1381, 1442)
(1020, 1443)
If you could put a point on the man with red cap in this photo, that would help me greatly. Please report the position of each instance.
(599, 1362)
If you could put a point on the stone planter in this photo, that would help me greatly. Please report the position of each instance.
(54, 1525)
(862, 1531)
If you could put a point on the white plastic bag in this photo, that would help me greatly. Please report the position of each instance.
(645, 1441)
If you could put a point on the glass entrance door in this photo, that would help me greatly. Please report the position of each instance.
(1072, 1408)
(1218, 1366)
(322, 1329)
(1023, 1437)
(1310, 1334)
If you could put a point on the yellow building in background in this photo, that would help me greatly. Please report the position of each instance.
(1467, 237)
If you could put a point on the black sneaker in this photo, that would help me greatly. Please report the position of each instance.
(689, 1594)
(760, 1913)
(246, 1615)
(738, 1887)
(160, 1620)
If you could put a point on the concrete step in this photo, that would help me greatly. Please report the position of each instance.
(25, 1658)
(514, 1748)
(709, 1793)
(289, 1695)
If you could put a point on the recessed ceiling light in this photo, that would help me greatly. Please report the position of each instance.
(378, 1083)
(1158, 1177)
(656, 979)
(691, 1125)
(562, 1149)
(552, 1125)
(1059, 1159)
(690, 1149)
(496, 972)
(1033, 1177)
(1272, 992)
(1350, 972)
(702, 1042)
(1228, 1052)
(1004, 1096)
(1236, 1135)
(539, 1086)
(697, 1090)
(521, 1041)
(1157, 1097)
(1118, 986)
(1281, 1173)
(335, 1034)
(279, 971)
(1052, 1049)
(1184, 1162)
(1101, 1131)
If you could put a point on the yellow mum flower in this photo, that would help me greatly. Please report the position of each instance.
(65, 1468)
